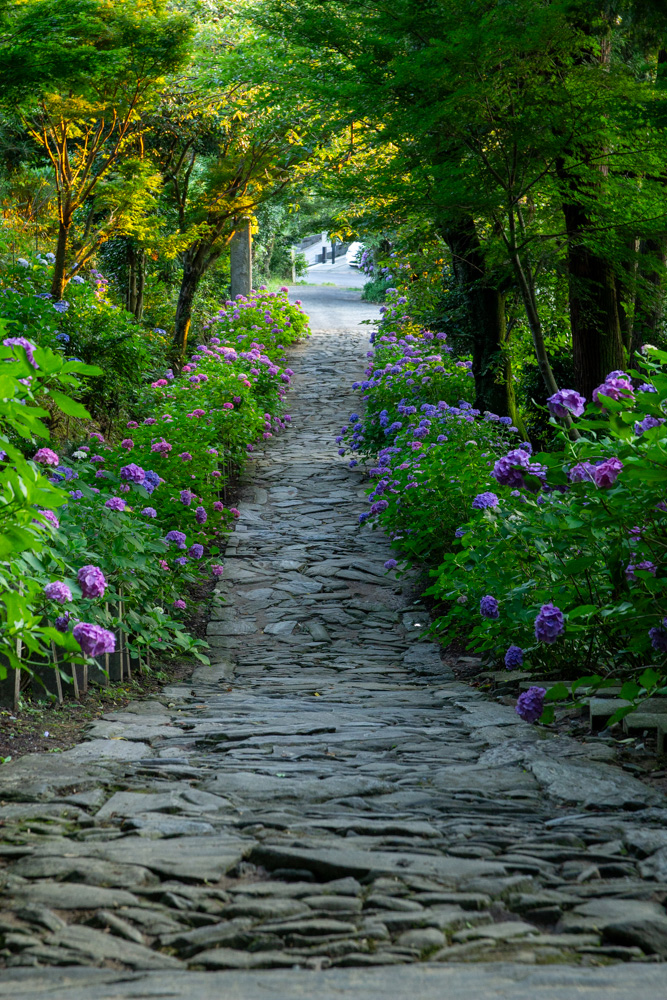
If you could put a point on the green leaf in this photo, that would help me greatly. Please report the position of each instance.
(649, 678)
(559, 692)
(630, 691)
(69, 406)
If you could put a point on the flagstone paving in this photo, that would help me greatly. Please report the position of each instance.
(326, 801)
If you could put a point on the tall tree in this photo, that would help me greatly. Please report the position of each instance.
(83, 72)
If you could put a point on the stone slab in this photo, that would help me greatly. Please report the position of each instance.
(336, 862)
(488, 981)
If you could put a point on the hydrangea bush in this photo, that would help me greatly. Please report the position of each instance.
(552, 561)
(110, 534)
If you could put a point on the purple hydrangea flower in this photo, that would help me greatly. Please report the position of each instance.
(151, 480)
(582, 472)
(180, 604)
(549, 624)
(658, 637)
(185, 456)
(76, 494)
(149, 512)
(201, 516)
(614, 388)
(27, 345)
(181, 561)
(177, 537)
(565, 402)
(132, 473)
(646, 387)
(196, 551)
(390, 564)
(647, 567)
(91, 580)
(62, 622)
(127, 443)
(187, 497)
(93, 639)
(217, 569)
(530, 704)
(460, 532)
(484, 500)
(514, 657)
(58, 591)
(115, 503)
(607, 473)
(488, 607)
(647, 423)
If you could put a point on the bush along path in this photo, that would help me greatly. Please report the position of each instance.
(324, 794)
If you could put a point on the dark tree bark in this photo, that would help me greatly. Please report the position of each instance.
(492, 366)
(650, 293)
(595, 315)
(60, 263)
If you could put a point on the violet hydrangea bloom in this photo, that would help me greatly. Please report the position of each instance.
(390, 564)
(201, 517)
(658, 637)
(49, 516)
(45, 456)
(607, 473)
(484, 500)
(646, 567)
(196, 551)
(177, 537)
(565, 402)
(62, 622)
(162, 447)
(488, 607)
(514, 657)
(132, 473)
(115, 503)
(93, 639)
(549, 624)
(186, 497)
(647, 423)
(91, 580)
(179, 604)
(217, 569)
(151, 480)
(614, 388)
(127, 443)
(530, 704)
(149, 512)
(582, 472)
(58, 591)
(27, 346)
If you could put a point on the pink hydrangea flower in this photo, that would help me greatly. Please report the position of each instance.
(45, 456)
(180, 604)
(217, 569)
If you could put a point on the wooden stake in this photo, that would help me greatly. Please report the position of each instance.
(106, 655)
(75, 682)
(17, 677)
(59, 686)
(121, 635)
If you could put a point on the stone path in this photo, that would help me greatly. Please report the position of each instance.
(325, 801)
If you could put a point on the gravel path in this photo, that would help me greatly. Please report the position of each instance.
(325, 798)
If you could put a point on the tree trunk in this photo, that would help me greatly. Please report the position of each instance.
(141, 284)
(492, 366)
(193, 271)
(650, 293)
(597, 339)
(58, 281)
